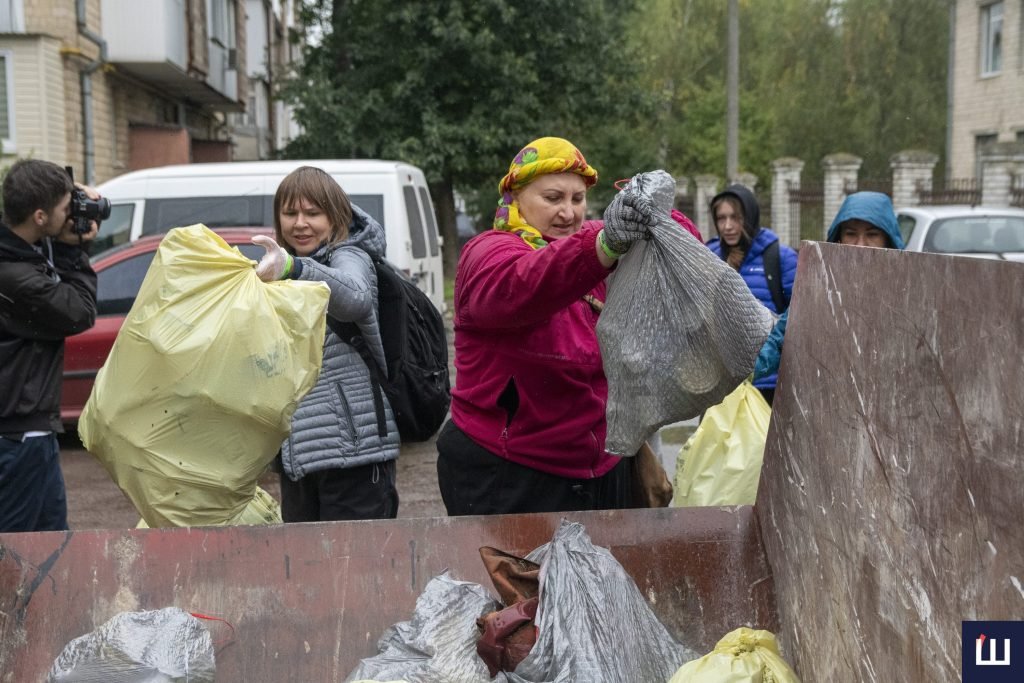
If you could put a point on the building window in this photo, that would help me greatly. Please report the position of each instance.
(12, 16)
(222, 22)
(6, 102)
(992, 39)
(981, 144)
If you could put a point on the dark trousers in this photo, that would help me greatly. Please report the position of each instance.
(364, 492)
(769, 395)
(474, 481)
(32, 496)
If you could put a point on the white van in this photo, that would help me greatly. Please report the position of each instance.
(241, 193)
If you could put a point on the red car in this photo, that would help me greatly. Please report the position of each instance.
(120, 272)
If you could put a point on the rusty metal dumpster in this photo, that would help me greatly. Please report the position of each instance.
(888, 511)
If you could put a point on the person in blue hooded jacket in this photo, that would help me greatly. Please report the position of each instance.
(866, 219)
(742, 243)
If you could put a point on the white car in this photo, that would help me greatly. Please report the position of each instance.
(976, 231)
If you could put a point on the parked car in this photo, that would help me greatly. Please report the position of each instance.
(977, 231)
(120, 272)
(241, 193)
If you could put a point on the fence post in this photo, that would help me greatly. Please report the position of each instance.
(1000, 163)
(911, 172)
(840, 171)
(707, 188)
(786, 213)
(747, 180)
(682, 197)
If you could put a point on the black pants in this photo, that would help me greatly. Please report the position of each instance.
(474, 481)
(365, 492)
(32, 495)
(769, 395)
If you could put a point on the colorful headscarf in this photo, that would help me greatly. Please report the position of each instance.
(541, 157)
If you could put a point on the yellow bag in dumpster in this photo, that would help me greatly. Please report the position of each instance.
(200, 385)
(721, 462)
(742, 656)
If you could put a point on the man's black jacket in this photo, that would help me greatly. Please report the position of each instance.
(41, 303)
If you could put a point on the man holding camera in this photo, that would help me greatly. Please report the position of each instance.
(47, 293)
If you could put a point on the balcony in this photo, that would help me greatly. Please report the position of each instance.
(149, 39)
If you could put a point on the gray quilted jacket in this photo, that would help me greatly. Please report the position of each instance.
(335, 425)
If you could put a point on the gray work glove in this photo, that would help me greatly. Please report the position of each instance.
(628, 219)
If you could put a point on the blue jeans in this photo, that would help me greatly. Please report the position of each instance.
(32, 496)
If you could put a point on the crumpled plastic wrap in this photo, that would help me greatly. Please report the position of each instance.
(158, 646)
(198, 391)
(439, 642)
(594, 626)
(680, 329)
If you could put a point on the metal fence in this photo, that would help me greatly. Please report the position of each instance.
(809, 201)
(954, 191)
(1017, 192)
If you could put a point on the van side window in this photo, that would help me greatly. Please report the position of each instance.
(412, 210)
(428, 209)
(213, 212)
(372, 204)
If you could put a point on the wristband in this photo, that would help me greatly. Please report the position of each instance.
(608, 251)
(287, 266)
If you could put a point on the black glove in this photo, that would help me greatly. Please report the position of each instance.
(627, 219)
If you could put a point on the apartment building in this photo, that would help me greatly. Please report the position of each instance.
(110, 86)
(987, 82)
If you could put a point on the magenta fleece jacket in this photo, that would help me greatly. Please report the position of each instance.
(529, 384)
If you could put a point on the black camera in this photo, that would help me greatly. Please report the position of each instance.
(84, 209)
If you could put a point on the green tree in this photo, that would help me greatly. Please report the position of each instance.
(458, 86)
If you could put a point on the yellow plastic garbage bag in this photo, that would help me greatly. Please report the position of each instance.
(742, 656)
(721, 462)
(199, 388)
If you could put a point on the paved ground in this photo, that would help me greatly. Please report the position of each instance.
(95, 502)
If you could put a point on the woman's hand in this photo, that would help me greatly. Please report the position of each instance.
(626, 220)
(276, 263)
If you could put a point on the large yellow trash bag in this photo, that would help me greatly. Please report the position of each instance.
(721, 462)
(200, 386)
(742, 656)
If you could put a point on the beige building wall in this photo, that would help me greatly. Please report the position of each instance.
(38, 93)
(119, 100)
(990, 104)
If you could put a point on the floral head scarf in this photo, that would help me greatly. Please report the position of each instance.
(541, 157)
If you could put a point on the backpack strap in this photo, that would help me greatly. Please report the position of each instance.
(349, 333)
(773, 274)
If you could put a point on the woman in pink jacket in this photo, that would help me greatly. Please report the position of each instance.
(527, 428)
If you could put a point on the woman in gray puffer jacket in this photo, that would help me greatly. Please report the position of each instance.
(337, 465)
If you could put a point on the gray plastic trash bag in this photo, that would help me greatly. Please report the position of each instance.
(159, 646)
(439, 642)
(680, 329)
(593, 623)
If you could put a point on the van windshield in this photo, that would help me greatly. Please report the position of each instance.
(230, 212)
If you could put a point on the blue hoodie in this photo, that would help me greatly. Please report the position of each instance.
(872, 207)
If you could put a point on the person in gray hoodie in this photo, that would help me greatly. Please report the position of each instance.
(866, 219)
(336, 463)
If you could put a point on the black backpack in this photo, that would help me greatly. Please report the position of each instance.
(416, 353)
(773, 273)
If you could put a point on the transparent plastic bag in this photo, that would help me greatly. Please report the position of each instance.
(157, 646)
(679, 331)
(200, 385)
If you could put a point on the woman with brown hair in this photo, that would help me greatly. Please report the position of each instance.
(748, 247)
(337, 462)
